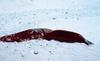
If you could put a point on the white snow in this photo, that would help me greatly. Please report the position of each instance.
(82, 16)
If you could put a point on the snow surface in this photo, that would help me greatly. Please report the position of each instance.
(82, 16)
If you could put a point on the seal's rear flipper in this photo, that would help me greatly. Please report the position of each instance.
(88, 42)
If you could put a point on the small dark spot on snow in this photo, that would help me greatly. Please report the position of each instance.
(40, 45)
(22, 55)
(29, 23)
(31, 0)
(47, 13)
(48, 58)
(50, 52)
(29, 46)
(15, 50)
(46, 44)
(53, 18)
(77, 18)
(20, 22)
(6, 46)
(34, 14)
(35, 52)
(66, 12)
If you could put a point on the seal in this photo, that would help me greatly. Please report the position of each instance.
(66, 36)
(25, 35)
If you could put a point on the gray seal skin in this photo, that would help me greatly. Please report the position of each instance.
(25, 35)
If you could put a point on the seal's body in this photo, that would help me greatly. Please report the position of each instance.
(25, 35)
(48, 34)
(66, 36)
